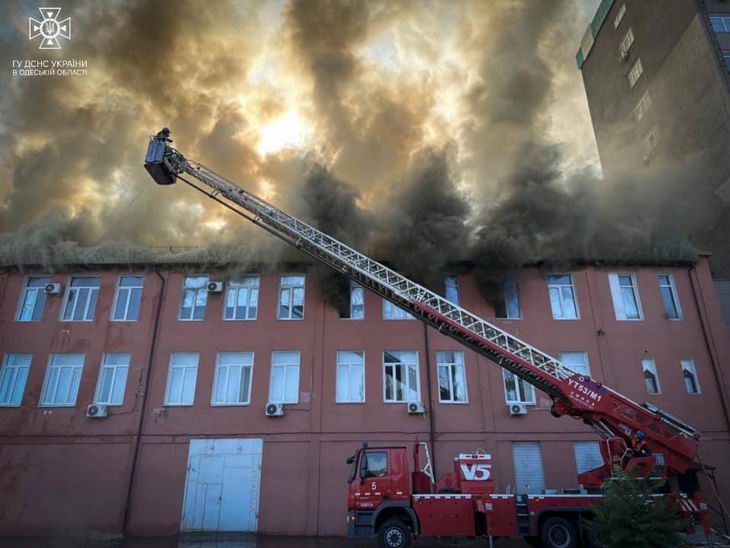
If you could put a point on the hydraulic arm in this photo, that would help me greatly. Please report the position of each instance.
(611, 414)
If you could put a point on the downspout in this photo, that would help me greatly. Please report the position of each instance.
(431, 432)
(140, 425)
(711, 350)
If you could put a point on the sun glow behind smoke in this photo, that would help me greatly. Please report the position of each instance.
(287, 131)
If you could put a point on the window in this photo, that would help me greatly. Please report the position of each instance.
(33, 299)
(375, 465)
(81, 297)
(635, 72)
(451, 289)
(194, 298)
(516, 390)
(350, 376)
(650, 376)
(63, 376)
(242, 298)
(587, 455)
(720, 23)
(691, 382)
(672, 310)
(651, 140)
(452, 377)
(625, 296)
(13, 375)
(527, 461)
(726, 58)
(393, 312)
(509, 305)
(577, 361)
(400, 368)
(182, 378)
(642, 106)
(128, 299)
(284, 386)
(357, 302)
(562, 297)
(291, 298)
(233, 373)
(112, 379)
(619, 16)
(625, 44)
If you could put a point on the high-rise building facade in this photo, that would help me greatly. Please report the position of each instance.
(222, 403)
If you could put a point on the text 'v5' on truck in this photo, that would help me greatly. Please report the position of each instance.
(389, 500)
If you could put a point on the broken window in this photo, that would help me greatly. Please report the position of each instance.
(650, 376)
(81, 297)
(401, 376)
(194, 298)
(452, 377)
(291, 298)
(562, 297)
(33, 299)
(128, 299)
(691, 382)
(350, 376)
(242, 297)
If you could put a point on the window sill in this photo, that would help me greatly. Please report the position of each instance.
(178, 404)
(121, 321)
(10, 405)
(108, 404)
(242, 404)
(290, 319)
(352, 319)
(283, 402)
(57, 405)
(521, 403)
(566, 319)
(447, 402)
(239, 319)
(349, 402)
(75, 321)
(402, 402)
(190, 320)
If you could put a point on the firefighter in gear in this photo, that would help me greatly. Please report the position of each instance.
(639, 445)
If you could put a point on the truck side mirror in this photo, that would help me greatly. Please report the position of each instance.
(363, 466)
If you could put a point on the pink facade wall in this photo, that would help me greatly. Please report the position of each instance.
(53, 458)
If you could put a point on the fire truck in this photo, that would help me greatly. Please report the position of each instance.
(393, 501)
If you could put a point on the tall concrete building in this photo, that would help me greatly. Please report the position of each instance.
(183, 374)
(658, 88)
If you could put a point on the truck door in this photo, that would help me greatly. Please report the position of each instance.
(375, 479)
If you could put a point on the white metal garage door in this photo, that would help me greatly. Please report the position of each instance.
(527, 459)
(587, 455)
(222, 486)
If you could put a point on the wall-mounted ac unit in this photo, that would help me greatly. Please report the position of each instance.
(52, 289)
(215, 287)
(96, 411)
(516, 409)
(416, 408)
(274, 409)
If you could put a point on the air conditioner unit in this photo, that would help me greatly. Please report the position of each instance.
(52, 289)
(516, 409)
(215, 287)
(274, 409)
(416, 408)
(96, 411)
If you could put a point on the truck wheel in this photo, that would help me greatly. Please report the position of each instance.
(558, 533)
(394, 534)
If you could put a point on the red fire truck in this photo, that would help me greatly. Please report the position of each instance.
(389, 500)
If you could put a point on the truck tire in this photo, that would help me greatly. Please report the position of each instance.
(393, 533)
(558, 533)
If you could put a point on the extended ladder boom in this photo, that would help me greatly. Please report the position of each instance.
(608, 412)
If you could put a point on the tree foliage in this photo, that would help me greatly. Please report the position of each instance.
(630, 517)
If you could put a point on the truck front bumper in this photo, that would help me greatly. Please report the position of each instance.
(359, 525)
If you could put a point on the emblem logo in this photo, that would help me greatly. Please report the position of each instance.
(49, 28)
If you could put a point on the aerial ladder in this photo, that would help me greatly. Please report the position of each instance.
(672, 443)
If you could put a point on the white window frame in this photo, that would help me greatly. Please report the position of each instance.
(583, 353)
(675, 295)
(722, 21)
(128, 289)
(17, 372)
(530, 399)
(355, 287)
(460, 367)
(405, 367)
(287, 371)
(195, 290)
(291, 289)
(24, 294)
(78, 370)
(237, 288)
(617, 296)
(648, 364)
(688, 365)
(637, 69)
(452, 283)
(619, 16)
(394, 312)
(116, 370)
(519, 303)
(185, 368)
(67, 293)
(560, 287)
(338, 379)
(642, 107)
(248, 361)
(596, 450)
(626, 43)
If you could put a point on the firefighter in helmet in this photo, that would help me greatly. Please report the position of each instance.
(639, 444)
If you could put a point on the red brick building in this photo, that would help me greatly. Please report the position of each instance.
(187, 372)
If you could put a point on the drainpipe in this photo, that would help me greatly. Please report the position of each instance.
(140, 425)
(431, 433)
(711, 350)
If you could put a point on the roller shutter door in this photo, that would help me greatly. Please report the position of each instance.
(527, 459)
(587, 455)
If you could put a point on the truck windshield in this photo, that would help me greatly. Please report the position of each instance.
(352, 461)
